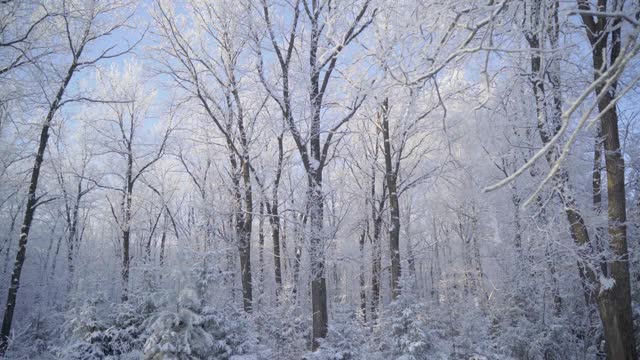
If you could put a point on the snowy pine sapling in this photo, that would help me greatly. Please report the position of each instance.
(196, 332)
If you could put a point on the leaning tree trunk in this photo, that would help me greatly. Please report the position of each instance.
(30, 209)
(8, 239)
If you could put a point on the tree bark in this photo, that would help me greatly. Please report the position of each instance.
(299, 229)
(72, 238)
(163, 240)
(126, 224)
(241, 179)
(243, 228)
(261, 249)
(391, 178)
(8, 241)
(274, 220)
(317, 242)
(376, 249)
(596, 183)
(363, 289)
(615, 303)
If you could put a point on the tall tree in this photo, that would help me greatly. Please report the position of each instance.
(605, 38)
(323, 53)
(122, 128)
(210, 71)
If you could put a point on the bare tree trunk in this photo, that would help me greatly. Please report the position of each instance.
(48, 256)
(317, 243)
(163, 241)
(555, 288)
(274, 220)
(363, 289)
(275, 238)
(376, 271)
(299, 229)
(126, 224)
(435, 271)
(8, 241)
(261, 248)
(152, 231)
(599, 241)
(72, 239)
(376, 249)
(284, 252)
(55, 258)
(316, 198)
(391, 178)
(247, 216)
(517, 241)
(72, 214)
(244, 239)
(411, 259)
(243, 219)
(615, 303)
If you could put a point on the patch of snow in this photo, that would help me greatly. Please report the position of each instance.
(606, 283)
(315, 164)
